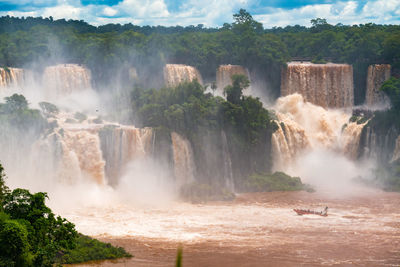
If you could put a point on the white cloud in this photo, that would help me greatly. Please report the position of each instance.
(109, 11)
(379, 12)
(143, 8)
(63, 11)
(215, 12)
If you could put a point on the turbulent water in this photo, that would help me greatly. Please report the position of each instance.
(254, 230)
(377, 75)
(174, 74)
(304, 126)
(326, 85)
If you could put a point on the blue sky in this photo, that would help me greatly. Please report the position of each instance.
(208, 12)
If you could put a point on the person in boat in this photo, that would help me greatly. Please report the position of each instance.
(324, 212)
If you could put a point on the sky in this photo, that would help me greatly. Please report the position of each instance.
(211, 13)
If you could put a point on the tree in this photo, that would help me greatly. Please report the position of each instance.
(392, 88)
(3, 187)
(16, 102)
(234, 92)
(244, 18)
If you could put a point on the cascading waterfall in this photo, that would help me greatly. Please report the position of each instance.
(184, 166)
(175, 74)
(98, 152)
(377, 75)
(122, 144)
(227, 161)
(224, 74)
(396, 152)
(304, 126)
(326, 85)
(65, 79)
(11, 77)
(379, 145)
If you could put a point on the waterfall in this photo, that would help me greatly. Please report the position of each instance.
(98, 152)
(224, 74)
(396, 152)
(175, 74)
(379, 144)
(11, 77)
(65, 79)
(351, 137)
(326, 85)
(184, 165)
(303, 126)
(227, 163)
(377, 75)
(122, 144)
(288, 141)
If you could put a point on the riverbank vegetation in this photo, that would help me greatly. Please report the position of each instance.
(32, 235)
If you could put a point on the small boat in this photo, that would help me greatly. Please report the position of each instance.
(305, 212)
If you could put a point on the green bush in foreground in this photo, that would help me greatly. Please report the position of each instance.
(32, 235)
(278, 181)
(89, 249)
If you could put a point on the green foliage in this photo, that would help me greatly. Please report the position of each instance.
(15, 113)
(31, 235)
(187, 110)
(47, 234)
(179, 257)
(234, 92)
(89, 249)
(245, 42)
(392, 89)
(48, 108)
(14, 244)
(4, 190)
(277, 181)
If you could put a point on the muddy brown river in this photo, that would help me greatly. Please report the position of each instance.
(257, 229)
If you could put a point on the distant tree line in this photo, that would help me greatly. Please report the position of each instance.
(107, 48)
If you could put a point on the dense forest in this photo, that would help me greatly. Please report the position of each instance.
(109, 48)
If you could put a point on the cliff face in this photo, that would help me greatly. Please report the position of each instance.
(377, 75)
(325, 85)
(380, 145)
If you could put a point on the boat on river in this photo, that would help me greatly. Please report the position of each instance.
(323, 213)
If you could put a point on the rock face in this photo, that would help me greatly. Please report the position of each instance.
(175, 74)
(377, 75)
(379, 144)
(225, 72)
(326, 85)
